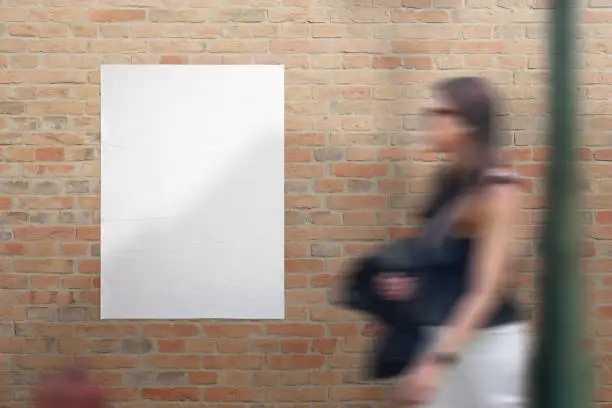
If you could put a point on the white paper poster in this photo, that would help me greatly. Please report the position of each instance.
(192, 192)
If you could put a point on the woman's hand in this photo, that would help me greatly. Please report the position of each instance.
(395, 286)
(419, 385)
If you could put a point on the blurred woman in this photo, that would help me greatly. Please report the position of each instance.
(478, 352)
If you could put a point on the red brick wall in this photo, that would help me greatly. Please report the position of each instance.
(357, 74)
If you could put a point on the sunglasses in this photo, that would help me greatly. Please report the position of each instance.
(431, 112)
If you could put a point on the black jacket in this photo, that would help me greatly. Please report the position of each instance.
(403, 338)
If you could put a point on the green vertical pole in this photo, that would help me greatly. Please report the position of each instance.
(561, 372)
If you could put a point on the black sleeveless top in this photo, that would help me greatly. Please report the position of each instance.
(446, 284)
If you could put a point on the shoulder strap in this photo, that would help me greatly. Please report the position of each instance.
(499, 176)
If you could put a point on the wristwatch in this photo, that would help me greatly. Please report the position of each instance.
(444, 358)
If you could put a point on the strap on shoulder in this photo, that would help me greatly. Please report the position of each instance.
(500, 176)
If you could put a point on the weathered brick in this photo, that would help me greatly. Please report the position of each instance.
(172, 378)
(73, 314)
(326, 250)
(12, 108)
(329, 154)
(137, 346)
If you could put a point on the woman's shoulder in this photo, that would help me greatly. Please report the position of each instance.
(497, 196)
(501, 193)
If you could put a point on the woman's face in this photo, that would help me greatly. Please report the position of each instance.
(445, 131)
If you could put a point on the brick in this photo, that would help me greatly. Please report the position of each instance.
(356, 79)
(295, 362)
(19, 154)
(49, 154)
(430, 16)
(136, 346)
(296, 330)
(12, 108)
(55, 138)
(241, 15)
(89, 266)
(36, 233)
(329, 154)
(50, 108)
(10, 45)
(232, 330)
(299, 171)
(479, 47)
(45, 202)
(291, 394)
(173, 16)
(77, 187)
(421, 47)
(171, 346)
(171, 394)
(239, 362)
(43, 266)
(202, 377)
(357, 394)
(73, 314)
(57, 46)
(12, 248)
(359, 170)
(171, 330)
(48, 170)
(120, 15)
(356, 202)
(88, 233)
(174, 59)
(23, 30)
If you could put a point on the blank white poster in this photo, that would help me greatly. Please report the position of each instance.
(192, 192)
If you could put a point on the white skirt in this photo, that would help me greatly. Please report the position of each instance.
(492, 371)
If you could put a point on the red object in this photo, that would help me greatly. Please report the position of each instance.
(69, 389)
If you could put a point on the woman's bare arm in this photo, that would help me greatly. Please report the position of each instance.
(488, 269)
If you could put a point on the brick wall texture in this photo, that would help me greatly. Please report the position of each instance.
(357, 73)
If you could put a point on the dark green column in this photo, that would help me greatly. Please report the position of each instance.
(562, 375)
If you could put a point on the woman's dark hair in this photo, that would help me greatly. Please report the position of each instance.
(474, 103)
